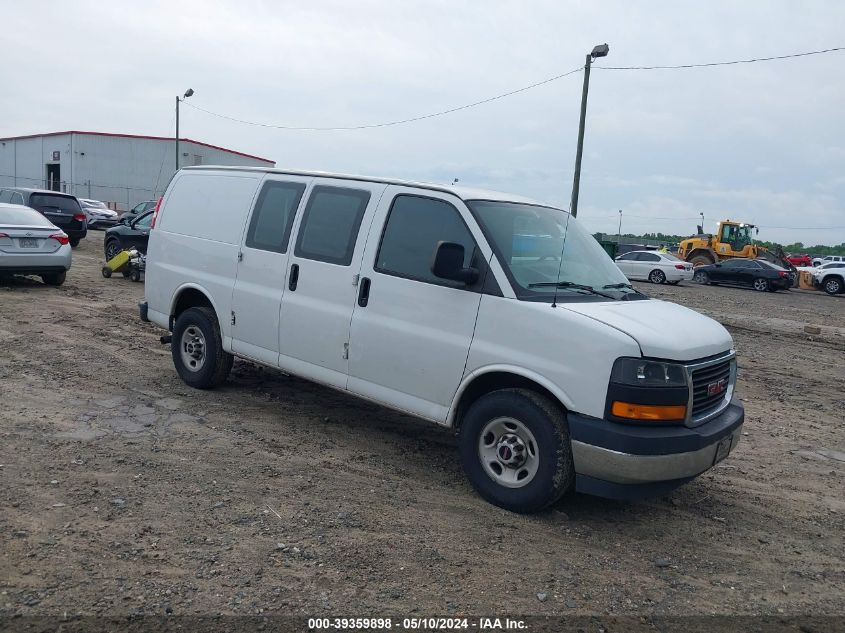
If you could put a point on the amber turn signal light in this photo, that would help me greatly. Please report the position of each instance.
(648, 411)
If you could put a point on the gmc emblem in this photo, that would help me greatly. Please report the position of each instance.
(715, 388)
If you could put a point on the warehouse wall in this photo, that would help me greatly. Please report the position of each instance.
(121, 171)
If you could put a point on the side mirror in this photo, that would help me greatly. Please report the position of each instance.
(449, 263)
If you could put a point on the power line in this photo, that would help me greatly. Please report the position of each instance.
(728, 63)
(389, 123)
(503, 95)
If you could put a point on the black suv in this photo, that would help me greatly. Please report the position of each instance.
(62, 209)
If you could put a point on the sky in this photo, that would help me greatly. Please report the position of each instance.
(762, 143)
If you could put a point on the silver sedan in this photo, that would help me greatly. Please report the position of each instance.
(32, 245)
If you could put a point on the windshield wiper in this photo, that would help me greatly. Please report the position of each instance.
(570, 285)
(620, 285)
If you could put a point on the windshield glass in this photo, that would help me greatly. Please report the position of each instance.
(93, 204)
(541, 248)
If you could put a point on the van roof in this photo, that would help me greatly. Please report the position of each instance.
(464, 193)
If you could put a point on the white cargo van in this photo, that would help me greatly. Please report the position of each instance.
(492, 314)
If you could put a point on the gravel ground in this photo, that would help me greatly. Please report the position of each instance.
(126, 492)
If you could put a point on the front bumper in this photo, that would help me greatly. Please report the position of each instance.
(622, 461)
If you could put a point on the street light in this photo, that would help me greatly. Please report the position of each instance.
(619, 234)
(188, 93)
(701, 213)
(598, 51)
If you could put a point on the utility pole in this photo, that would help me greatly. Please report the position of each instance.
(598, 51)
(189, 92)
(619, 233)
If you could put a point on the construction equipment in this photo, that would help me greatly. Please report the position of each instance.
(733, 239)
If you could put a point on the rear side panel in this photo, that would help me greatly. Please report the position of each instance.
(196, 240)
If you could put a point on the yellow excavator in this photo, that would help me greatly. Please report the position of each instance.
(733, 239)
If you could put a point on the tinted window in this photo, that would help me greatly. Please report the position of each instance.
(5, 196)
(648, 257)
(414, 227)
(144, 222)
(734, 263)
(47, 200)
(627, 257)
(17, 198)
(269, 228)
(330, 224)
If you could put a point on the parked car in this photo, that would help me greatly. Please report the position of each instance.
(98, 215)
(137, 210)
(800, 260)
(756, 273)
(122, 237)
(32, 245)
(830, 277)
(437, 301)
(656, 267)
(818, 261)
(61, 209)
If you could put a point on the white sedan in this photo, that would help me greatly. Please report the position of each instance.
(32, 245)
(656, 267)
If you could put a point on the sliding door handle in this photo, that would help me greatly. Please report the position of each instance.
(293, 278)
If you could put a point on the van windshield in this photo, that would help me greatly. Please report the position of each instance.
(545, 251)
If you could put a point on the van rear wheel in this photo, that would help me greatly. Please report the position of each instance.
(197, 349)
(516, 451)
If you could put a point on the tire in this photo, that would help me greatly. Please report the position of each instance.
(126, 274)
(74, 242)
(135, 275)
(112, 248)
(674, 283)
(833, 286)
(507, 414)
(701, 277)
(657, 276)
(56, 279)
(199, 325)
(700, 260)
(761, 285)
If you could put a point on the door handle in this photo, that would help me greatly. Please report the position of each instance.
(364, 292)
(294, 277)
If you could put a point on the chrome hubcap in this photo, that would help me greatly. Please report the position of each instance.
(192, 348)
(832, 286)
(760, 284)
(508, 452)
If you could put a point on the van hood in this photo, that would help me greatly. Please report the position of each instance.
(662, 329)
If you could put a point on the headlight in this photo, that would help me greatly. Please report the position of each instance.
(638, 372)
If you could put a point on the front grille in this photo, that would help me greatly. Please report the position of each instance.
(702, 403)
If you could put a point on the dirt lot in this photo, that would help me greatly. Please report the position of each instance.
(124, 491)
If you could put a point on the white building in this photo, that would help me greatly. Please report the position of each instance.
(119, 169)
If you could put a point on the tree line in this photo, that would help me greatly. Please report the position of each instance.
(796, 247)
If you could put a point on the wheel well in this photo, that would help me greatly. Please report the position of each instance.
(189, 298)
(705, 252)
(493, 381)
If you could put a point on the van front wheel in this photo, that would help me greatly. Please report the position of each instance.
(516, 451)
(197, 349)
